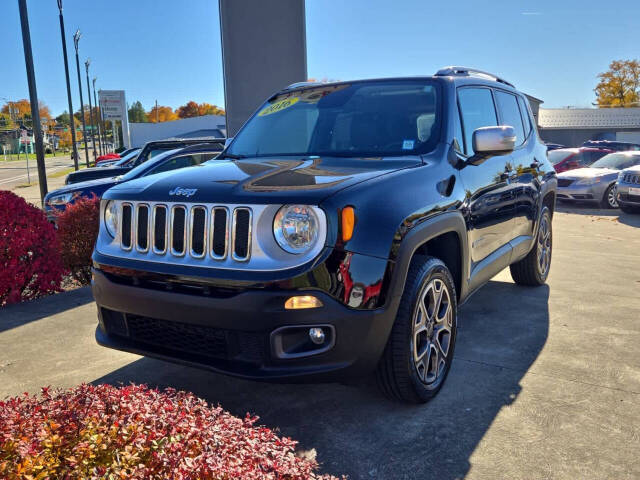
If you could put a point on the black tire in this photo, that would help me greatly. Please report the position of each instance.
(529, 271)
(397, 374)
(629, 208)
(606, 201)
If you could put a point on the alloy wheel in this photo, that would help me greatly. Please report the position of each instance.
(544, 246)
(432, 327)
(611, 196)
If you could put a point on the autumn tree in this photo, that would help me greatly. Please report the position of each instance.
(21, 110)
(161, 114)
(620, 85)
(193, 109)
(136, 113)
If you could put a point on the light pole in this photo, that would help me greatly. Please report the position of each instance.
(93, 138)
(100, 128)
(33, 98)
(74, 152)
(76, 40)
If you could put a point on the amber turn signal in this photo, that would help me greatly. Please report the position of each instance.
(302, 301)
(348, 221)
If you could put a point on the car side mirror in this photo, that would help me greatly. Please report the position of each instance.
(491, 141)
(227, 141)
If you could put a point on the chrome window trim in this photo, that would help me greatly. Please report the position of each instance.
(205, 242)
(226, 232)
(233, 235)
(153, 229)
(130, 205)
(184, 231)
(137, 214)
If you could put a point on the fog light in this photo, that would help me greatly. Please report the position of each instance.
(302, 301)
(316, 335)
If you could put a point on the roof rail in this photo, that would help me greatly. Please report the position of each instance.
(466, 71)
(302, 84)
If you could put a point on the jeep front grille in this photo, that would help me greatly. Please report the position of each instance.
(631, 178)
(199, 231)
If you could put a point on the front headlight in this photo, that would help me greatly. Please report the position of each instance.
(295, 228)
(589, 181)
(61, 199)
(111, 218)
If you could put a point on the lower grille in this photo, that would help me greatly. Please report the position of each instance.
(565, 182)
(203, 341)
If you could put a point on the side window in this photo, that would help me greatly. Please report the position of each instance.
(174, 164)
(526, 118)
(478, 111)
(510, 114)
(199, 158)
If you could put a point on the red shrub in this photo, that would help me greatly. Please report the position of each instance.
(30, 264)
(77, 232)
(138, 433)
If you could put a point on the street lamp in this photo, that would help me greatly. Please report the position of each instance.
(101, 118)
(76, 39)
(66, 73)
(95, 102)
(93, 138)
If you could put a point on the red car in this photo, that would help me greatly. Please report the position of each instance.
(108, 156)
(564, 159)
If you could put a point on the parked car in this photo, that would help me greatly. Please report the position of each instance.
(554, 146)
(598, 182)
(565, 159)
(150, 150)
(129, 157)
(628, 189)
(106, 157)
(612, 145)
(168, 160)
(335, 235)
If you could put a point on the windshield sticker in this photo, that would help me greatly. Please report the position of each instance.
(408, 144)
(278, 106)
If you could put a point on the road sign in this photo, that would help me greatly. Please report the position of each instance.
(113, 106)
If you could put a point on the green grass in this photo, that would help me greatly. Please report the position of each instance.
(14, 157)
(62, 173)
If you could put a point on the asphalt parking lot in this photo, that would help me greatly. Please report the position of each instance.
(545, 383)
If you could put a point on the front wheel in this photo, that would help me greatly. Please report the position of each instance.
(419, 351)
(533, 269)
(610, 200)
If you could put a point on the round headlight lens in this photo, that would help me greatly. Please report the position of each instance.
(111, 218)
(295, 228)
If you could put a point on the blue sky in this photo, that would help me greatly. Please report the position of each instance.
(170, 50)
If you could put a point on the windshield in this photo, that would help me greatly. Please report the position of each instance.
(390, 117)
(617, 161)
(128, 157)
(557, 156)
(143, 167)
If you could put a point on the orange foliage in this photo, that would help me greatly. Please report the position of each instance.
(164, 114)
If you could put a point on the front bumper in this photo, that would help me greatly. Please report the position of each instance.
(231, 331)
(627, 198)
(582, 193)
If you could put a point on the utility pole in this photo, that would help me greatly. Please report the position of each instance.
(95, 102)
(93, 138)
(33, 98)
(157, 112)
(76, 40)
(74, 152)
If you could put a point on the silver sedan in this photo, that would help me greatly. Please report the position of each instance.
(598, 182)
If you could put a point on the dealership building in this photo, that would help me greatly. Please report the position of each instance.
(574, 126)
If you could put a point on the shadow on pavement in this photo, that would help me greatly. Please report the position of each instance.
(19, 314)
(358, 432)
(585, 208)
(630, 219)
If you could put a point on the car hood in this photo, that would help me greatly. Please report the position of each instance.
(255, 180)
(94, 173)
(634, 169)
(588, 173)
(87, 185)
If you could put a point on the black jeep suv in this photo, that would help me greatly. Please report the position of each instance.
(336, 234)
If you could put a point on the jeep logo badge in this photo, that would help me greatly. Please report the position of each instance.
(185, 192)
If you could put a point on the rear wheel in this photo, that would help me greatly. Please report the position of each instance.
(419, 351)
(609, 200)
(533, 269)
